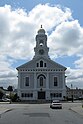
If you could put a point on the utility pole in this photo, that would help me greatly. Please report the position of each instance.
(72, 92)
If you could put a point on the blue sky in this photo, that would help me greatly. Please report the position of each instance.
(20, 20)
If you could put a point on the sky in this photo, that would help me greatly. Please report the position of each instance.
(19, 22)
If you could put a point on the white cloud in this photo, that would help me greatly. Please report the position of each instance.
(67, 39)
(8, 74)
(17, 36)
(49, 16)
(18, 28)
(74, 77)
(79, 63)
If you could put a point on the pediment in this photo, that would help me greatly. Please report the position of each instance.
(50, 64)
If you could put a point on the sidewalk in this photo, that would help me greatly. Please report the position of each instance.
(78, 109)
(4, 108)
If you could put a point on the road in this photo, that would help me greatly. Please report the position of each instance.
(40, 114)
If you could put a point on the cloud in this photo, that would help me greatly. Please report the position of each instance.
(18, 29)
(74, 77)
(13, 34)
(66, 38)
(49, 16)
(8, 74)
(79, 63)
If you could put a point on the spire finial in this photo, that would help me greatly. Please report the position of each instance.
(41, 26)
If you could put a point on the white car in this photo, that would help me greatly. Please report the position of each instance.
(6, 100)
(56, 104)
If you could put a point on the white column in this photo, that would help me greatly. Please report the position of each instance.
(47, 81)
(18, 80)
(18, 92)
(64, 85)
(35, 80)
(64, 81)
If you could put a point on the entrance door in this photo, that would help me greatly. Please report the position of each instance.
(41, 95)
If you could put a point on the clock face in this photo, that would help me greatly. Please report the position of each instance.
(41, 52)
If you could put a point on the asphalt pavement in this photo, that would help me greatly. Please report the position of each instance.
(34, 113)
(4, 107)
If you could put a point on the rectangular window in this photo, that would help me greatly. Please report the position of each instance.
(37, 64)
(51, 95)
(60, 94)
(22, 95)
(31, 94)
(27, 95)
(27, 81)
(55, 81)
(44, 64)
(56, 95)
(41, 63)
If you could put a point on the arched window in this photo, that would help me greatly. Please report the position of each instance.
(41, 63)
(41, 81)
(41, 75)
(41, 42)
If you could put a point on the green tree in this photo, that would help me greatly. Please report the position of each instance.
(1, 94)
(10, 88)
(14, 97)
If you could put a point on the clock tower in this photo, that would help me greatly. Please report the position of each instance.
(41, 49)
(41, 78)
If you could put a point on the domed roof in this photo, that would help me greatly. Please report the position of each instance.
(41, 30)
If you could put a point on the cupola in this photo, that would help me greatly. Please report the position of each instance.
(41, 31)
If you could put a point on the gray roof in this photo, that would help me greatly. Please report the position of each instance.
(50, 63)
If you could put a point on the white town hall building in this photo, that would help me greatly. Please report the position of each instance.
(41, 78)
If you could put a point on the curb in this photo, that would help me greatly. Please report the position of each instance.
(78, 110)
(5, 110)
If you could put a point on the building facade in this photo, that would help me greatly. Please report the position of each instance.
(75, 93)
(41, 78)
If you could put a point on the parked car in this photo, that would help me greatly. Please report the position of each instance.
(6, 100)
(56, 104)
